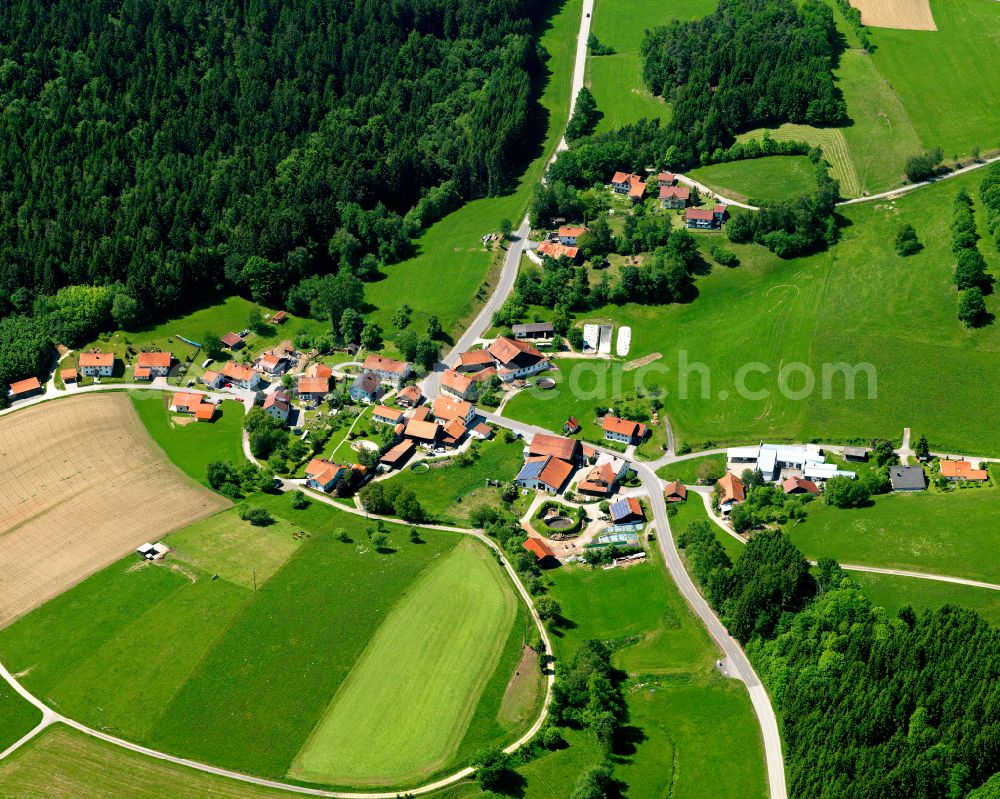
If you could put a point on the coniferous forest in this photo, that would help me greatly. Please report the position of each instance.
(162, 145)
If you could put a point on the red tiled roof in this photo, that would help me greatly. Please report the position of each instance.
(421, 413)
(456, 381)
(962, 470)
(154, 359)
(142, 372)
(669, 177)
(475, 358)
(623, 427)
(322, 471)
(731, 488)
(230, 339)
(590, 487)
(572, 231)
(555, 250)
(410, 393)
(538, 548)
(204, 411)
(699, 213)
(24, 386)
(675, 489)
(719, 208)
(279, 317)
(387, 413)
(680, 192)
(318, 370)
(796, 483)
(455, 429)
(376, 363)
(68, 374)
(236, 372)
(506, 349)
(97, 359)
(448, 408)
(398, 453)
(557, 446)
(555, 473)
(314, 385)
(425, 431)
(637, 190)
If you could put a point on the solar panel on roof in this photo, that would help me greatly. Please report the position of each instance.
(531, 470)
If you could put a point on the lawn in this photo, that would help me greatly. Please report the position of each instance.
(687, 470)
(449, 492)
(167, 656)
(192, 446)
(17, 716)
(616, 80)
(777, 177)
(892, 592)
(425, 669)
(857, 303)
(693, 510)
(452, 273)
(941, 77)
(955, 534)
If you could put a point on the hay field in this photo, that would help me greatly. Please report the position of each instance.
(910, 15)
(81, 483)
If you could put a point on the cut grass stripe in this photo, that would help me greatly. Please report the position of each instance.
(423, 671)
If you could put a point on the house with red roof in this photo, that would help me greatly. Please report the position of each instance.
(626, 511)
(97, 364)
(631, 185)
(447, 408)
(674, 196)
(150, 365)
(474, 360)
(25, 388)
(570, 426)
(383, 414)
(555, 250)
(241, 376)
(388, 370)
(962, 470)
(69, 375)
(666, 179)
(544, 473)
(568, 234)
(731, 492)
(232, 341)
(193, 403)
(397, 456)
(516, 359)
(565, 449)
(323, 474)
(273, 363)
(278, 406)
(312, 390)
(459, 385)
(279, 318)
(409, 397)
(539, 549)
(675, 491)
(700, 218)
(624, 431)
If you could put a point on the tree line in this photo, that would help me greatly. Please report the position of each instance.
(970, 274)
(177, 149)
(870, 704)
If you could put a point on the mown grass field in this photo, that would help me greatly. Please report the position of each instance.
(687, 470)
(169, 657)
(449, 492)
(776, 177)
(955, 534)
(857, 303)
(616, 80)
(192, 446)
(834, 146)
(424, 670)
(451, 266)
(17, 716)
(943, 77)
(696, 732)
(891, 593)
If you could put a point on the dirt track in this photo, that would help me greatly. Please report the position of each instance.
(82, 484)
(911, 15)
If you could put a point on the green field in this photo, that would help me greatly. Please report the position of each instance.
(180, 662)
(857, 303)
(450, 275)
(831, 140)
(687, 470)
(192, 446)
(776, 177)
(693, 510)
(17, 716)
(942, 77)
(892, 592)
(955, 534)
(424, 669)
(616, 80)
(450, 492)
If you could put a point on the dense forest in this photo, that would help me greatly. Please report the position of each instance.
(158, 147)
(750, 63)
(870, 705)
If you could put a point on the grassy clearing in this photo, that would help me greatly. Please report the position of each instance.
(834, 146)
(17, 716)
(616, 80)
(954, 534)
(767, 311)
(425, 668)
(62, 763)
(450, 275)
(449, 492)
(941, 77)
(893, 592)
(192, 446)
(693, 510)
(777, 177)
(687, 470)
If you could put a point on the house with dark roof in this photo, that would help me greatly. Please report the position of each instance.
(232, 341)
(907, 478)
(533, 330)
(544, 473)
(626, 511)
(856, 454)
(366, 388)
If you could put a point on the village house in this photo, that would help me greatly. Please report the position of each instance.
(604, 476)
(533, 330)
(623, 430)
(962, 470)
(719, 213)
(474, 361)
(482, 431)
(312, 390)
(366, 388)
(25, 388)
(856, 454)
(570, 426)
(150, 365)
(565, 449)
(193, 403)
(212, 379)
(447, 408)
(666, 179)
(397, 456)
(453, 432)
(278, 406)
(627, 511)
(700, 218)
(421, 414)
(272, 363)
(241, 376)
(675, 491)
(97, 364)
(409, 397)
(388, 370)
(318, 369)
(323, 475)
(674, 196)
(799, 485)
(232, 341)
(731, 492)
(568, 234)
(516, 359)
(907, 478)
(69, 376)
(279, 318)
(383, 414)
(628, 184)
(544, 473)
(459, 385)
(541, 551)
(554, 250)
(422, 432)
